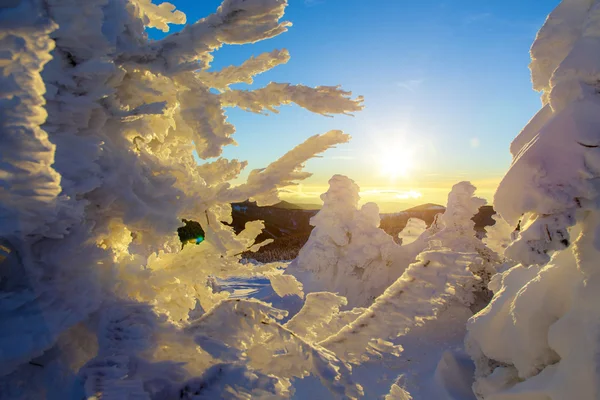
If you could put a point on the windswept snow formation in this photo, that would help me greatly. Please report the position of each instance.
(347, 253)
(439, 277)
(98, 126)
(423, 290)
(538, 337)
(458, 227)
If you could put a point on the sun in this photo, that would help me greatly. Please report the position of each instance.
(395, 163)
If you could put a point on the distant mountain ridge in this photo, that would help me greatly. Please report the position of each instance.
(426, 207)
(286, 205)
(289, 224)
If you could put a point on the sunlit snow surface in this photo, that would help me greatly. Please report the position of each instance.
(433, 364)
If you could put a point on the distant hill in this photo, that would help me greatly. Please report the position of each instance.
(286, 205)
(310, 206)
(289, 224)
(281, 220)
(426, 207)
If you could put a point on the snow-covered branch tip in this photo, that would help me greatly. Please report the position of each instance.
(234, 22)
(258, 340)
(159, 16)
(425, 288)
(245, 73)
(324, 100)
(263, 184)
(320, 317)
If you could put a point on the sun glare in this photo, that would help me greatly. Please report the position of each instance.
(395, 163)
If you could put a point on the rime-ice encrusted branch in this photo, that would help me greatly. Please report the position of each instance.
(220, 170)
(29, 184)
(247, 330)
(322, 100)
(231, 381)
(159, 15)
(285, 285)
(426, 287)
(235, 22)
(320, 317)
(125, 331)
(398, 393)
(245, 73)
(262, 184)
(202, 116)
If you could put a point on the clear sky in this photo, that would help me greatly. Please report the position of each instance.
(446, 89)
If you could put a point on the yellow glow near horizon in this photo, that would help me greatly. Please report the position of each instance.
(411, 194)
(392, 197)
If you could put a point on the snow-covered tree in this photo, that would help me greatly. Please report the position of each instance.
(538, 337)
(98, 126)
(457, 232)
(458, 228)
(439, 277)
(347, 253)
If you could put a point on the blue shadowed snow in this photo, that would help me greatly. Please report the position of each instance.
(260, 288)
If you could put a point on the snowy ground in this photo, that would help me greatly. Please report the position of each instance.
(433, 364)
(260, 288)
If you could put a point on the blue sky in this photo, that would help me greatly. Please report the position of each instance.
(445, 82)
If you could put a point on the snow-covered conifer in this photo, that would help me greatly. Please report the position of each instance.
(347, 253)
(536, 338)
(98, 129)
